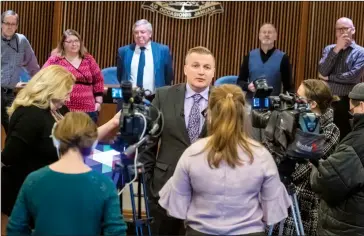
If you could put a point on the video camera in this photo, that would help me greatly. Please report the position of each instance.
(139, 118)
(288, 123)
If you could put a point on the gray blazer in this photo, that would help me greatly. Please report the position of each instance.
(174, 140)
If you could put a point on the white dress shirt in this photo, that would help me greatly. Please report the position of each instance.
(148, 78)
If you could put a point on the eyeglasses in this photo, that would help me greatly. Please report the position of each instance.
(73, 41)
(351, 112)
(10, 24)
(342, 29)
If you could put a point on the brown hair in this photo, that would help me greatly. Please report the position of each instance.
(227, 126)
(75, 130)
(199, 50)
(60, 47)
(268, 23)
(320, 92)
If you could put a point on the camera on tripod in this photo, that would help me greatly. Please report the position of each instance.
(141, 123)
(288, 123)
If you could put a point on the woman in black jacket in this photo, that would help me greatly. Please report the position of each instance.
(318, 95)
(339, 180)
(33, 113)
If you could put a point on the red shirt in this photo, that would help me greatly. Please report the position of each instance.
(89, 82)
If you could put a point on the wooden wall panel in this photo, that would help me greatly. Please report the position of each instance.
(35, 23)
(229, 35)
(105, 26)
(321, 29)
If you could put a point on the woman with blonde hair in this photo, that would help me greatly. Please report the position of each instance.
(28, 145)
(87, 93)
(68, 197)
(227, 183)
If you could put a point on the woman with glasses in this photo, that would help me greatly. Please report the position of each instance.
(87, 93)
(318, 95)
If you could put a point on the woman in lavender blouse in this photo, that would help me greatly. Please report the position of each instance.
(226, 184)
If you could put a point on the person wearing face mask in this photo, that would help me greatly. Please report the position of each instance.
(318, 95)
(28, 145)
(87, 94)
(16, 53)
(145, 63)
(342, 66)
(266, 61)
(339, 179)
(226, 183)
(182, 106)
(68, 197)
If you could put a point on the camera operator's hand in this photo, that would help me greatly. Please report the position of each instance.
(342, 42)
(116, 119)
(251, 87)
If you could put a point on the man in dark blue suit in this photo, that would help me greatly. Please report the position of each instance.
(145, 63)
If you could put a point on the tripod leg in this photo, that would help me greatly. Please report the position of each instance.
(139, 197)
(281, 225)
(293, 209)
(299, 220)
(146, 203)
(270, 232)
(132, 196)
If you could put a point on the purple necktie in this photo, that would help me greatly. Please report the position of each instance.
(194, 120)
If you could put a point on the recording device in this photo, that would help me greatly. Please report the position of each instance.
(140, 125)
(290, 125)
(139, 117)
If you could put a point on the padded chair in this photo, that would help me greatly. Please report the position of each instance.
(110, 75)
(229, 79)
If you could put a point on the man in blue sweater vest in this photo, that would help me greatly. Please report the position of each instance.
(266, 61)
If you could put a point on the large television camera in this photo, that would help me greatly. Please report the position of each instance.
(140, 121)
(290, 127)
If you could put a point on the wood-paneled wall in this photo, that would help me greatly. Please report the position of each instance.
(304, 28)
(321, 28)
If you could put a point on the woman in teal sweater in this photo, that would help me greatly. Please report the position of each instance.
(68, 197)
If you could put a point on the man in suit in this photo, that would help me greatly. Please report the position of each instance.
(182, 106)
(145, 63)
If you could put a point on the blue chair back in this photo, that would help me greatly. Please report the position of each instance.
(24, 75)
(229, 79)
(110, 76)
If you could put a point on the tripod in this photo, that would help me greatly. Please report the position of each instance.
(295, 213)
(125, 172)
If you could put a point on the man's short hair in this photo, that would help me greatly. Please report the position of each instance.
(199, 50)
(268, 23)
(9, 13)
(143, 22)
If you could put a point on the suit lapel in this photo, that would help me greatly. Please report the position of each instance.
(179, 111)
(129, 57)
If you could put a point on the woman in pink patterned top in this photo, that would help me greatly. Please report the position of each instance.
(87, 93)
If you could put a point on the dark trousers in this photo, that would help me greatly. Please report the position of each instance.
(7, 98)
(342, 116)
(162, 223)
(192, 232)
(94, 115)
